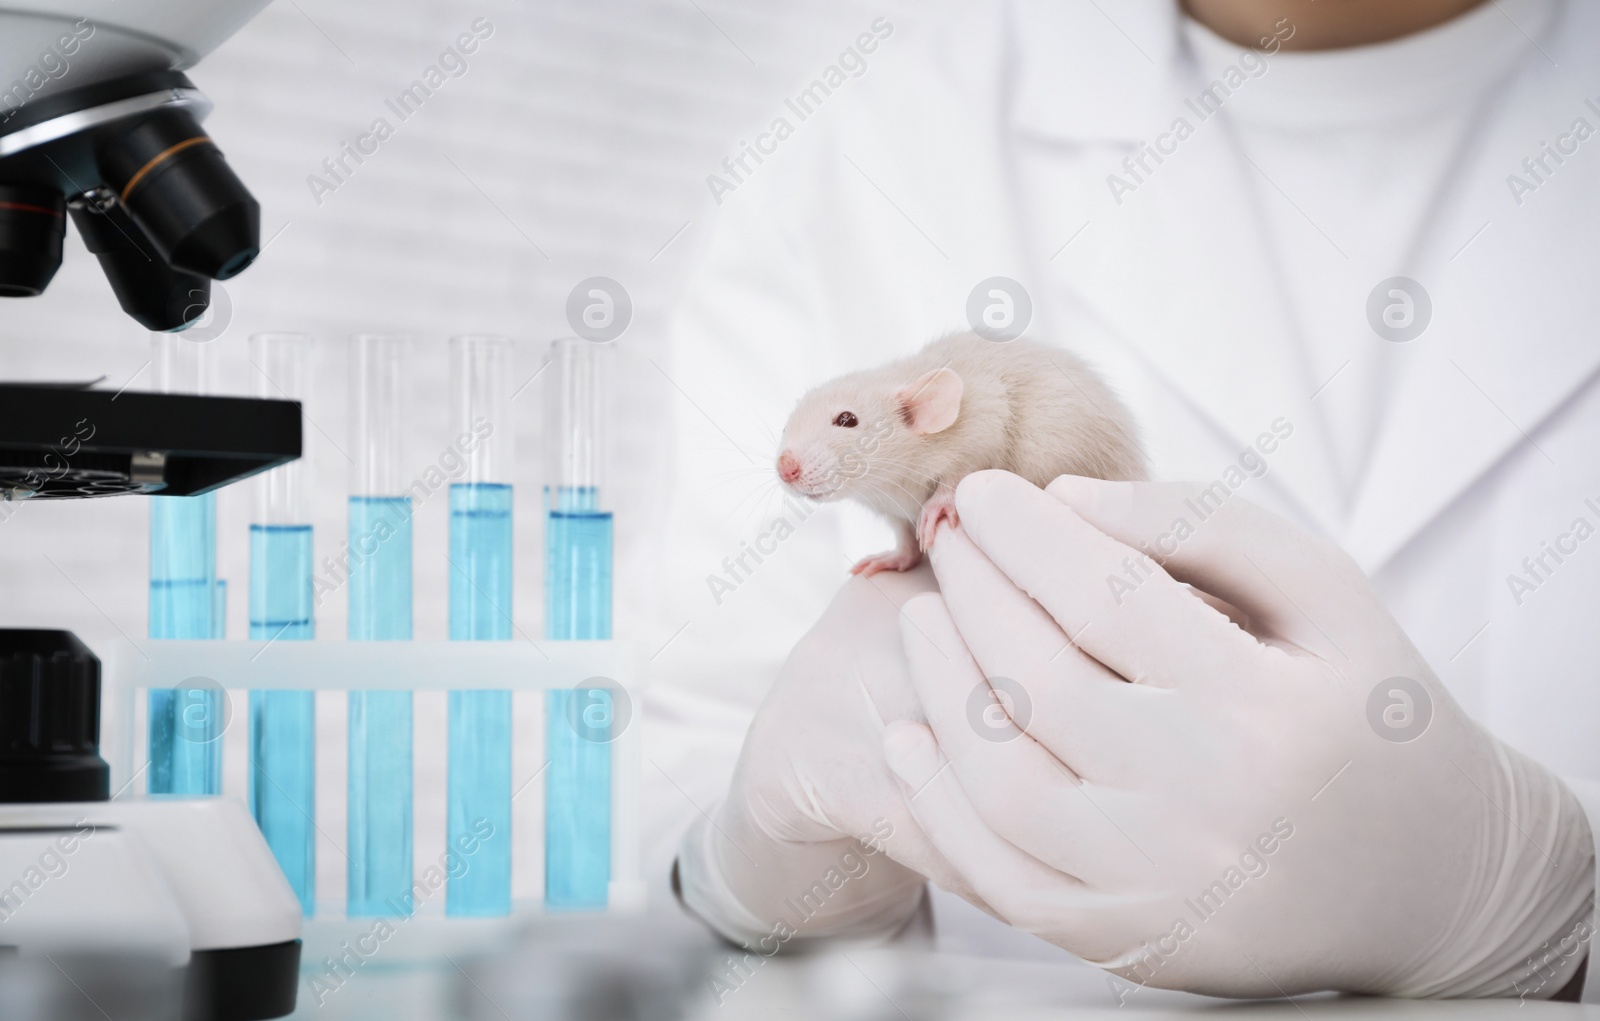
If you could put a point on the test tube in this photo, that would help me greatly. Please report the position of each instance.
(479, 808)
(283, 723)
(578, 606)
(379, 558)
(185, 724)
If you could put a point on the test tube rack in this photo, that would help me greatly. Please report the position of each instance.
(331, 669)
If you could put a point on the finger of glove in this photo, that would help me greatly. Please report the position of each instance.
(1023, 792)
(1293, 585)
(1017, 887)
(1115, 604)
(1060, 696)
(897, 832)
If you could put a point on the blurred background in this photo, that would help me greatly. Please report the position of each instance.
(576, 142)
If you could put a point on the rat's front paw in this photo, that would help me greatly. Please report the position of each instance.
(941, 506)
(893, 560)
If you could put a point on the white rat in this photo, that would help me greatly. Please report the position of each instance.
(899, 438)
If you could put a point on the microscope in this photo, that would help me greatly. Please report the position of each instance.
(147, 907)
(98, 122)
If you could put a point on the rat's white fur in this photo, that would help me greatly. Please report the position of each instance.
(1037, 411)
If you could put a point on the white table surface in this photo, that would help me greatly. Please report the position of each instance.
(511, 971)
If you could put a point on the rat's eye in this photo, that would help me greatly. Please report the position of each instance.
(847, 420)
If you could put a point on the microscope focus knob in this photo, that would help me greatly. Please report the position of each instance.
(50, 719)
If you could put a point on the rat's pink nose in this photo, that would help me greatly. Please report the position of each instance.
(788, 467)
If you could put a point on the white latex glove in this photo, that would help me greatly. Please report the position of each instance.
(783, 855)
(1241, 819)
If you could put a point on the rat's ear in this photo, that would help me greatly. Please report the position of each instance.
(931, 402)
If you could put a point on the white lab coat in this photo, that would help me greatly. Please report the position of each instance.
(978, 144)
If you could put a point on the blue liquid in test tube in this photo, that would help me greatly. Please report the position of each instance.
(280, 583)
(578, 565)
(185, 723)
(479, 785)
(480, 721)
(380, 725)
(578, 606)
(380, 721)
(283, 724)
(578, 731)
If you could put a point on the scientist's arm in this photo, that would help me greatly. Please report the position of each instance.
(1292, 805)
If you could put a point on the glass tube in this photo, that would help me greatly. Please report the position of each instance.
(378, 557)
(185, 725)
(479, 808)
(578, 606)
(283, 723)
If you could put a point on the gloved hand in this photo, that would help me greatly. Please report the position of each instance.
(812, 787)
(1298, 806)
